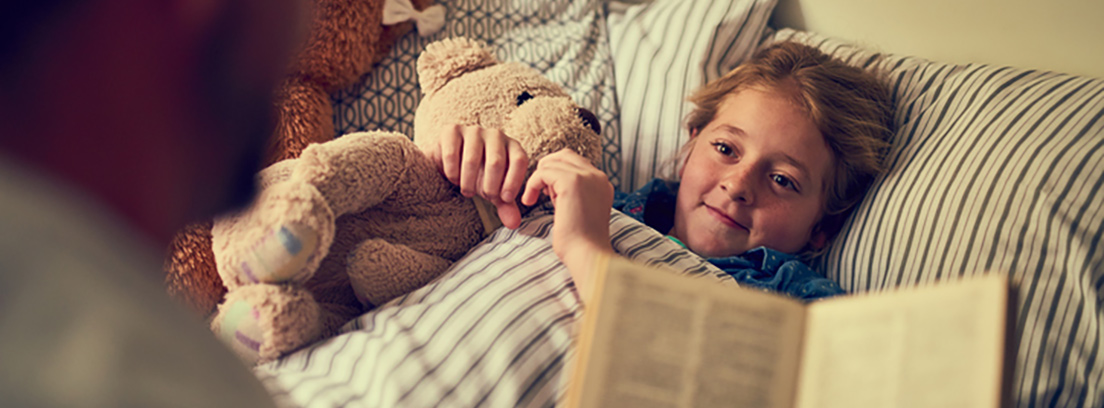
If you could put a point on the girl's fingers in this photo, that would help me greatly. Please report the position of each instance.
(485, 162)
(548, 171)
(495, 160)
(568, 163)
(449, 149)
(564, 166)
(534, 187)
(515, 173)
(472, 160)
(508, 213)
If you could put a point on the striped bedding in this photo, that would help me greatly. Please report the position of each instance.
(992, 170)
(495, 330)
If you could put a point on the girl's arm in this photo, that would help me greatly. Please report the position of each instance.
(483, 162)
(582, 195)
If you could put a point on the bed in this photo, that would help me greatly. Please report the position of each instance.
(993, 169)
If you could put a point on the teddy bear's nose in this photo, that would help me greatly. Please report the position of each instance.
(589, 119)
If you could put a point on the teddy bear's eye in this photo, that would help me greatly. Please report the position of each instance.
(525, 96)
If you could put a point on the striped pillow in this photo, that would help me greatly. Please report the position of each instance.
(992, 169)
(495, 330)
(662, 51)
(566, 40)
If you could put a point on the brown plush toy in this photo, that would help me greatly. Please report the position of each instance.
(357, 221)
(345, 38)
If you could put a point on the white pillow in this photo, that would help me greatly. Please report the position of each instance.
(992, 169)
(564, 39)
(662, 51)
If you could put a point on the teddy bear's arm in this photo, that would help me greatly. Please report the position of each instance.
(289, 228)
(358, 170)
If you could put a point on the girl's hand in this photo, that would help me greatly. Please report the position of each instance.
(583, 196)
(484, 162)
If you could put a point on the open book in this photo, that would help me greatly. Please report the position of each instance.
(653, 338)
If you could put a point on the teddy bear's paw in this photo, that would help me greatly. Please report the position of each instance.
(280, 255)
(263, 322)
(281, 238)
(239, 327)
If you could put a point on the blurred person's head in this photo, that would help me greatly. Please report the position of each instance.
(160, 109)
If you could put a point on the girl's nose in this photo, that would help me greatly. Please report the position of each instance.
(739, 184)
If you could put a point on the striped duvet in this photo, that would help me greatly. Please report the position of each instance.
(495, 330)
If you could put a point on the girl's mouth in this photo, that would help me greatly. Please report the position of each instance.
(724, 218)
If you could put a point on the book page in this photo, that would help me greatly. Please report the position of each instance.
(665, 340)
(937, 346)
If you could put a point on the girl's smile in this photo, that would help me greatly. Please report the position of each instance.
(755, 176)
(725, 219)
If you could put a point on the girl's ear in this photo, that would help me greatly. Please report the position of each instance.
(818, 240)
(820, 236)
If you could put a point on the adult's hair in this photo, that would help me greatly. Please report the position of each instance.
(850, 107)
(22, 25)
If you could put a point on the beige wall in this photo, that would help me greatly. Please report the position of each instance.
(1058, 35)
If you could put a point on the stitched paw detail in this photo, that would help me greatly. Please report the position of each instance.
(241, 330)
(280, 255)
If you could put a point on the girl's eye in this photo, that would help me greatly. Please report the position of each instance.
(783, 181)
(723, 148)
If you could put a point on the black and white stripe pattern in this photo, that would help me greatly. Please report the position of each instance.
(662, 51)
(992, 170)
(495, 330)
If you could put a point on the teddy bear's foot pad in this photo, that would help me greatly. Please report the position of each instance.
(280, 254)
(241, 330)
(262, 322)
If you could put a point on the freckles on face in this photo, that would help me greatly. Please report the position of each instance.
(755, 176)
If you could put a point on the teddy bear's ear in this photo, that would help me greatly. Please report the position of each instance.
(449, 58)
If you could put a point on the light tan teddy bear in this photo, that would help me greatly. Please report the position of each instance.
(357, 221)
(345, 39)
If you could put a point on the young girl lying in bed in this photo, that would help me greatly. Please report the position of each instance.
(780, 148)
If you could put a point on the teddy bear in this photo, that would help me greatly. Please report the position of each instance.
(355, 222)
(344, 39)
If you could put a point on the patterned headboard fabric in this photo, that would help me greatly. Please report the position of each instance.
(566, 40)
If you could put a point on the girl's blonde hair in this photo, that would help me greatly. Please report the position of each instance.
(851, 107)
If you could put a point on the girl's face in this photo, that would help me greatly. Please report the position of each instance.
(755, 176)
